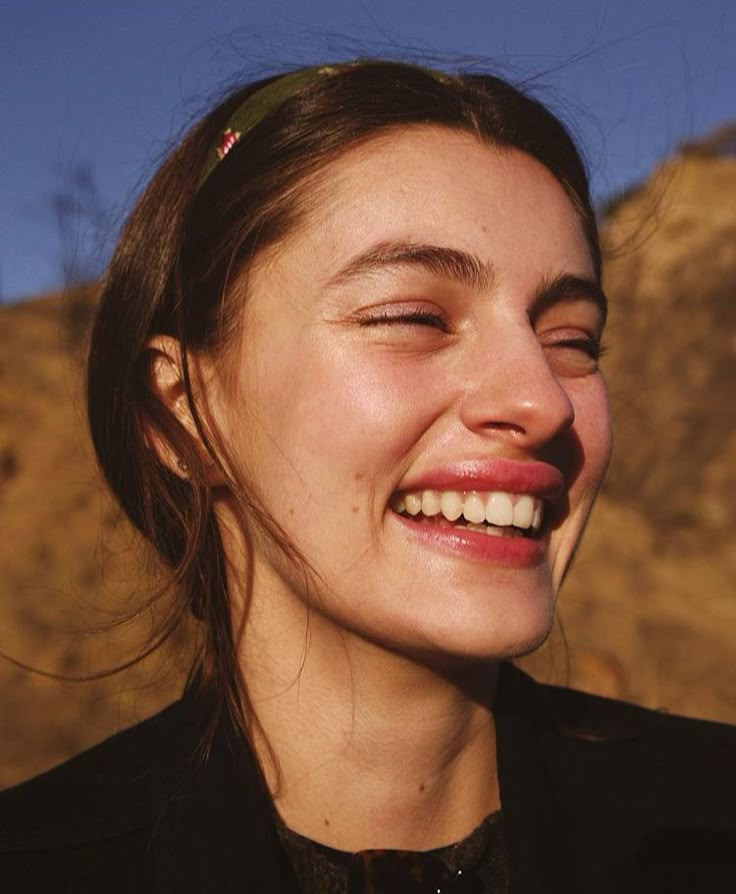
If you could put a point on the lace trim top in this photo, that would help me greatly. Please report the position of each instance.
(476, 865)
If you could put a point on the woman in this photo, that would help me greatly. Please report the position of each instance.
(344, 378)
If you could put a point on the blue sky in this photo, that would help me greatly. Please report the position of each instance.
(107, 84)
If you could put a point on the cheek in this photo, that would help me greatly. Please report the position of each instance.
(592, 441)
(338, 417)
(593, 430)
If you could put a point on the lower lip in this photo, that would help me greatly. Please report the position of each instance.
(513, 552)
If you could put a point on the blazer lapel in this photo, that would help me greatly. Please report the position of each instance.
(547, 851)
(217, 833)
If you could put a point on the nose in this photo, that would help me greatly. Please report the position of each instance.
(512, 391)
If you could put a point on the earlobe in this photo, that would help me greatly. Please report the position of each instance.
(176, 441)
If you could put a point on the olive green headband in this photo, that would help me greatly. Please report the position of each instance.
(266, 100)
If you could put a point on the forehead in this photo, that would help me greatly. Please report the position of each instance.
(429, 184)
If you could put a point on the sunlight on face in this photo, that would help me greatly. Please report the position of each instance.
(431, 328)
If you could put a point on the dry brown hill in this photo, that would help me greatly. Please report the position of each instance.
(672, 367)
(649, 611)
(69, 563)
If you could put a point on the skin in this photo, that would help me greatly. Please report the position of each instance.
(373, 679)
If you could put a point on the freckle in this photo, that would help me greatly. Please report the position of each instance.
(327, 822)
(291, 512)
(356, 508)
(421, 786)
(359, 476)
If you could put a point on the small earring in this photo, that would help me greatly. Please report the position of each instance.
(183, 467)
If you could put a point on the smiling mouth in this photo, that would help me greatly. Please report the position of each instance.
(495, 513)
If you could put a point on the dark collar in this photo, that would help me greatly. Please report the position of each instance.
(218, 832)
(546, 851)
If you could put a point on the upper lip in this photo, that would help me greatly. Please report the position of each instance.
(492, 474)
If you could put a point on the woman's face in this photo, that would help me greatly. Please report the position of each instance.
(424, 345)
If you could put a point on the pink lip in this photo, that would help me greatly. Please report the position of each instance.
(513, 476)
(513, 552)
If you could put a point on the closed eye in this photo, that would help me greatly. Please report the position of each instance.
(572, 354)
(413, 318)
(591, 346)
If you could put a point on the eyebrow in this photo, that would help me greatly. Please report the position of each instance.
(468, 270)
(568, 287)
(449, 263)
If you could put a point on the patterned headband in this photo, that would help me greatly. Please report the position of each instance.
(256, 107)
(262, 102)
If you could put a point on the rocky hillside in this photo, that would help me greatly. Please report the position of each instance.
(648, 614)
(650, 609)
(70, 565)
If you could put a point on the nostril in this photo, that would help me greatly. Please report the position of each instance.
(495, 425)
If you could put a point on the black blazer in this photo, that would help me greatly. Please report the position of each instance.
(597, 796)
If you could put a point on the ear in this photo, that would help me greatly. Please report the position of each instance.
(166, 381)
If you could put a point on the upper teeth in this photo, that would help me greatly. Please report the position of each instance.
(495, 507)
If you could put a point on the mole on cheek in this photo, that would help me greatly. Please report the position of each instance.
(356, 509)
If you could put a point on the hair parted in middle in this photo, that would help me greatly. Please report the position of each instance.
(193, 236)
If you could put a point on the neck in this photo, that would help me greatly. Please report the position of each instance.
(373, 749)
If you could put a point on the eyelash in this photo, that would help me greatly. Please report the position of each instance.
(591, 346)
(414, 318)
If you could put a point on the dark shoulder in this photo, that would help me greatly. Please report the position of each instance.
(650, 773)
(644, 764)
(602, 720)
(149, 809)
(107, 792)
(648, 796)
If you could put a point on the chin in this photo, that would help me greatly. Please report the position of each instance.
(497, 636)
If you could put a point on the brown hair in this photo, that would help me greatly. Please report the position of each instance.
(183, 247)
